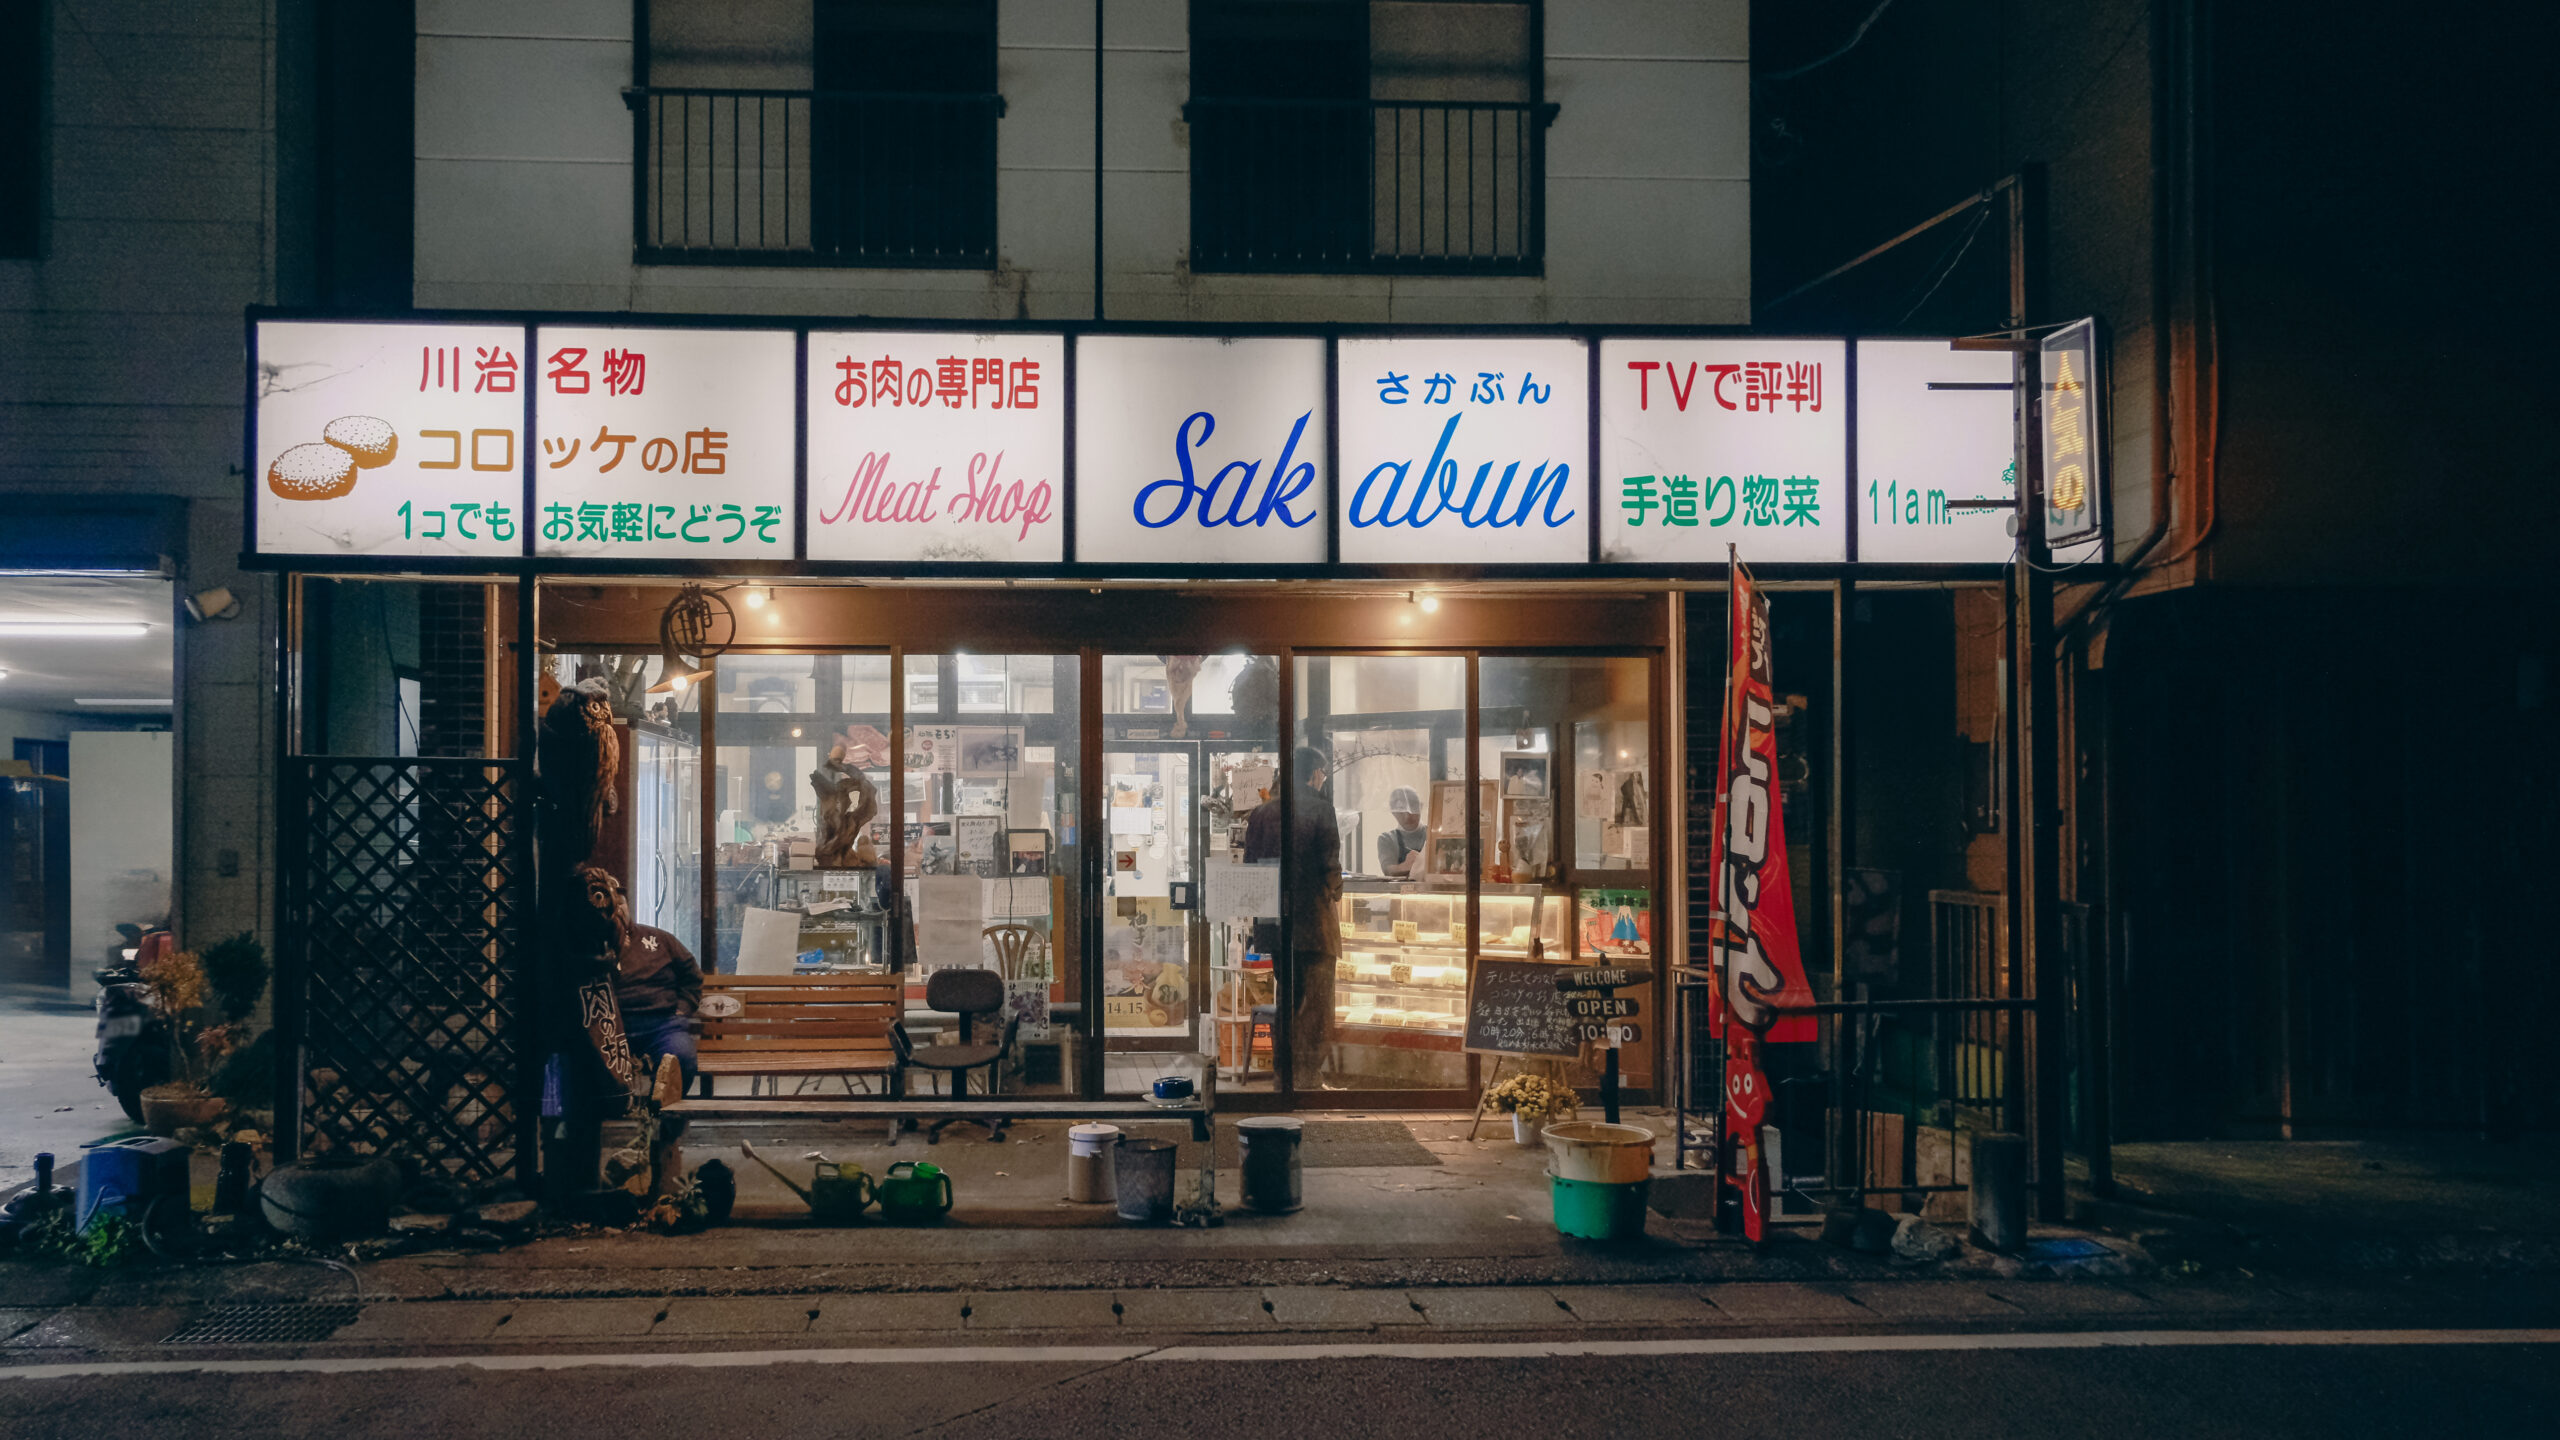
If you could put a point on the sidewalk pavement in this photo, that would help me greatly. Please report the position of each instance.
(50, 1098)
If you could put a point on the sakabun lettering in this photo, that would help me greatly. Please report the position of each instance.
(1282, 486)
(1437, 489)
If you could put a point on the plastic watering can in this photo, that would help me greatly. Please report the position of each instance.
(915, 1190)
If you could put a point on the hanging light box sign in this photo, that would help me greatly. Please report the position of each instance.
(664, 443)
(1465, 451)
(937, 447)
(1920, 448)
(2074, 475)
(1200, 451)
(388, 439)
(1709, 443)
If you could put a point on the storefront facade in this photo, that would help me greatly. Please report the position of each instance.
(1074, 606)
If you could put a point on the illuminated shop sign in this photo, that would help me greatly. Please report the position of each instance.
(888, 448)
(1199, 450)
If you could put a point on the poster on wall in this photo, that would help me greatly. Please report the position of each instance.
(1465, 451)
(1751, 929)
(388, 439)
(1200, 451)
(937, 447)
(1705, 443)
(1934, 425)
(667, 443)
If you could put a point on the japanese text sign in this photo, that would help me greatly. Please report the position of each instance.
(1467, 450)
(937, 447)
(673, 443)
(1705, 443)
(2074, 487)
(376, 439)
(1920, 447)
(1200, 451)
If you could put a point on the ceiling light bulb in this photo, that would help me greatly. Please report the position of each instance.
(1430, 604)
(756, 597)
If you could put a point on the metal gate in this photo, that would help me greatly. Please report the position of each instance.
(407, 906)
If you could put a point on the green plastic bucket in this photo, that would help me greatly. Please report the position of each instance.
(1593, 1210)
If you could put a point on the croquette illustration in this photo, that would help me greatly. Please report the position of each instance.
(370, 440)
(327, 469)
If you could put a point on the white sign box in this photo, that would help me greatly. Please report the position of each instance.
(1200, 451)
(1919, 448)
(675, 444)
(1709, 443)
(937, 447)
(1465, 451)
(389, 439)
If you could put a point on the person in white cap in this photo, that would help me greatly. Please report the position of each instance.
(1400, 850)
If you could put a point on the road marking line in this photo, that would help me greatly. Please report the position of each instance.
(1253, 1354)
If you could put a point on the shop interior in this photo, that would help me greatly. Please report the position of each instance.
(1090, 794)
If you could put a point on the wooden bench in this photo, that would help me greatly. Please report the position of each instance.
(1195, 1111)
(777, 1025)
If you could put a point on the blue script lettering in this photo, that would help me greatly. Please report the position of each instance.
(1285, 485)
(1438, 488)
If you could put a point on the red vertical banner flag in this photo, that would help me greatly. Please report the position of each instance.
(1752, 930)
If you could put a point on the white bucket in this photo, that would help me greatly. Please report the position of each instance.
(1601, 1153)
(1089, 1176)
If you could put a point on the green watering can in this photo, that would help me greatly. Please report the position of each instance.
(915, 1191)
(837, 1193)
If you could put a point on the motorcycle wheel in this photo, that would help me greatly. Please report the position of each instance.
(143, 1066)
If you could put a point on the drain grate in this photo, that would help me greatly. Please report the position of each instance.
(283, 1324)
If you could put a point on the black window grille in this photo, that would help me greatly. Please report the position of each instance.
(1367, 135)
(22, 90)
(883, 152)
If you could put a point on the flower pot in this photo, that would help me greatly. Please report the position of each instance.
(1524, 1130)
(167, 1109)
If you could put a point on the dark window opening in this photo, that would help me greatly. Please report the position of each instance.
(854, 132)
(22, 53)
(1367, 135)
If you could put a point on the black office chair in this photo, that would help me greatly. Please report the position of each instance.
(968, 994)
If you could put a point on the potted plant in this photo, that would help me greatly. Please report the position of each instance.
(206, 1000)
(1531, 1101)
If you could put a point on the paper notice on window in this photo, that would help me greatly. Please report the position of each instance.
(768, 942)
(942, 944)
(1130, 812)
(951, 897)
(1235, 889)
(1024, 899)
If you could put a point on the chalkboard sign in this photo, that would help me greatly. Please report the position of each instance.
(1514, 1008)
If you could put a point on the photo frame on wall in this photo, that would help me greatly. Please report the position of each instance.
(1449, 804)
(1448, 857)
(1026, 852)
(1524, 777)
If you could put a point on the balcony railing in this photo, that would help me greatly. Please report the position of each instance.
(1408, 186)
(814, 177)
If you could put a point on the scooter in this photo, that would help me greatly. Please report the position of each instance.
(133, 1036)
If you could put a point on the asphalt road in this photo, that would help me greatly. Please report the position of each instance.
(2188, 1391)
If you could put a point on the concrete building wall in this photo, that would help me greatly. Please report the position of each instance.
(525, 173)
(120, 355)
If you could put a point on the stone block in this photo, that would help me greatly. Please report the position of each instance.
(581, 1319)
(410, 1322)
(887, 1314)
(1316, 1307)
(738, 1315)
(1493, 1306)
(1199, 1311)
(1931, 1300)
(1759, 1302)
(1042, 1310)
(1642, 1305)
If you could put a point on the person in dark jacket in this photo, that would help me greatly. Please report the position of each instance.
(659, 986)
(1315, 936)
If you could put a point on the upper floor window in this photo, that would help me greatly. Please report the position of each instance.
(817, 132)
(21, 128)
(1398, 135)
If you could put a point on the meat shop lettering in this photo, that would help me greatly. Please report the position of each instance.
(873, 497)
